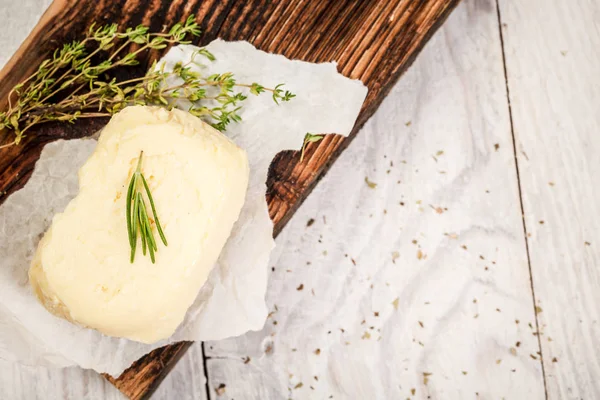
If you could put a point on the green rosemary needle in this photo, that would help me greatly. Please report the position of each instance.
(137, 217)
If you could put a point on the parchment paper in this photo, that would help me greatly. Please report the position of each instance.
(232, 301)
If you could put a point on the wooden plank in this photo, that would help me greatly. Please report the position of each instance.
(374, 41)
(553, 68)
(144, 376)
(440, 151)
(187, 378)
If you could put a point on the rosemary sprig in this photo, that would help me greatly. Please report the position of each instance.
(137, 215)
(76, 81)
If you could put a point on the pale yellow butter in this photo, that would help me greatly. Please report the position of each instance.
(198, 179)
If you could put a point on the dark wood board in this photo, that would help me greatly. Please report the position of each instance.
(372, 40)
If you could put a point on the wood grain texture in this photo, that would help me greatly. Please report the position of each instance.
(374, 41)
(146, 374)
(554, 80)
(187, 378)
(419, 287)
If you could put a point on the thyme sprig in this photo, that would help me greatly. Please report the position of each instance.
(309, 138)
(137, 217)
(78, 82)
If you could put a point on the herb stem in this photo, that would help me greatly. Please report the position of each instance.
(120, 49)
(66, 74)
(86, 88)
(4, 146)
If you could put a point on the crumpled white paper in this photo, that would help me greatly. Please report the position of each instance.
(232, 301)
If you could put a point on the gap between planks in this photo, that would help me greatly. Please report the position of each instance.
(514, 143)
(205, 371)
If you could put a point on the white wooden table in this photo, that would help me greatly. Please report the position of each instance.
(472, 270)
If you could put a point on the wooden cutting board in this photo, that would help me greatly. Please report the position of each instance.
(371, 40)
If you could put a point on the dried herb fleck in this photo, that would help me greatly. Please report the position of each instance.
(220, 390)
(371, 185)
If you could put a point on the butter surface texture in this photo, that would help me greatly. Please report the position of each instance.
(198, 179)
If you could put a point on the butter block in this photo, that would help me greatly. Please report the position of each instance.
(198, 178)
